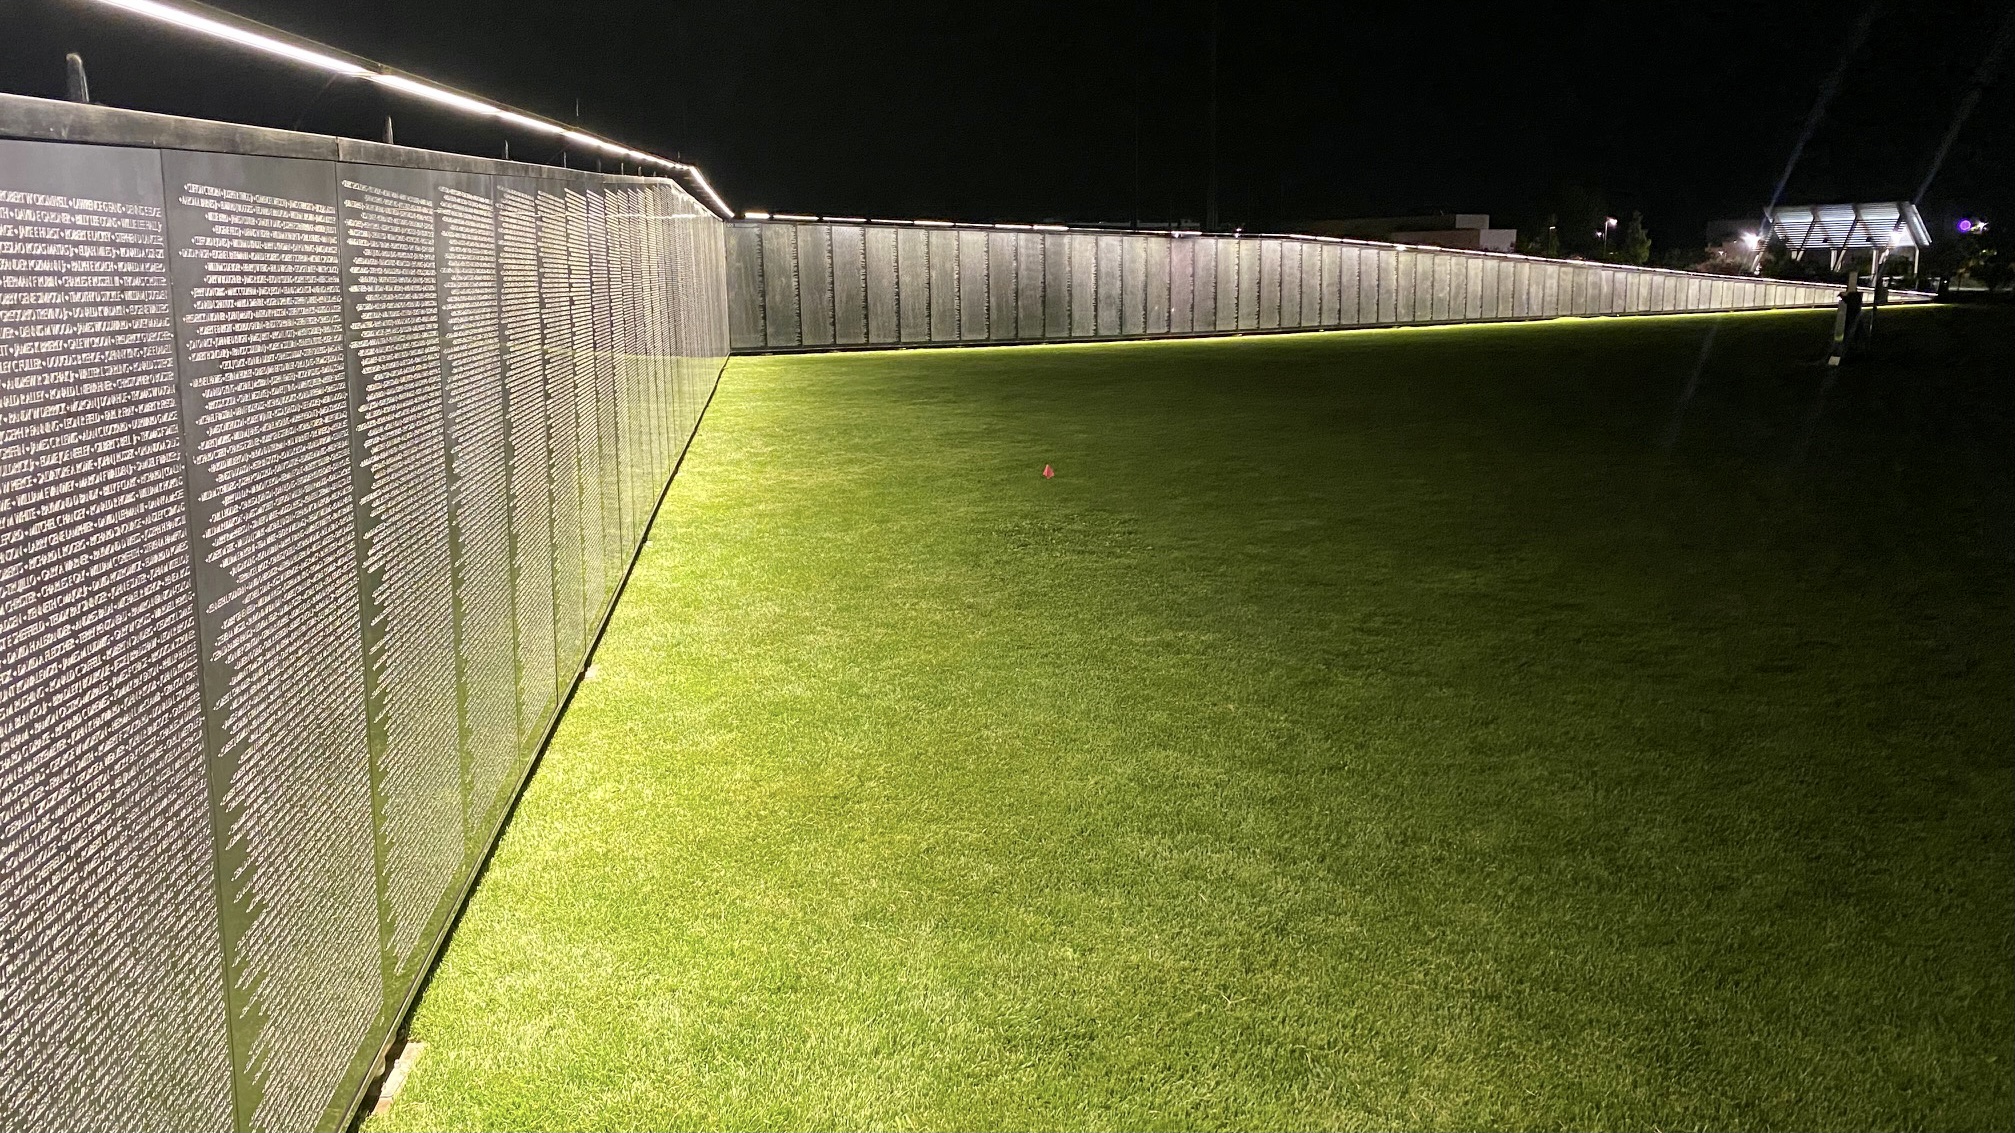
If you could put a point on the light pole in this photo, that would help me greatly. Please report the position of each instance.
(1608, 226)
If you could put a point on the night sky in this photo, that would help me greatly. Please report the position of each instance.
(1089, 112)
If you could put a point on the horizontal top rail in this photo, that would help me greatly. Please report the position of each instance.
(54, 120)
(217, 24)
(756, 217)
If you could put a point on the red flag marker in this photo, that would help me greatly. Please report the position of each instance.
(1048, 473)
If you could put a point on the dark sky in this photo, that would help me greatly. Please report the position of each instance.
(1084, 111)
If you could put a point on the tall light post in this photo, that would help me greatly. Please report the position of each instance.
(1608, 226)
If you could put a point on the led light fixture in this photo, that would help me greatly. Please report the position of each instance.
(219, 25)
(244, 37)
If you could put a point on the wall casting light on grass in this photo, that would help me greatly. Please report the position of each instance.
(799, 283)
(1375, 729)
(1340, 738)
(321, 465)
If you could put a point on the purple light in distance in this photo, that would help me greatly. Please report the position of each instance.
(1965, 225)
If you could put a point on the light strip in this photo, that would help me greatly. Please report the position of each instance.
(220, 30)
(528, 122)
(579, 138)
(405, 84)
(434, 94)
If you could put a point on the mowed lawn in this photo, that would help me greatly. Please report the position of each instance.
(1445, 728)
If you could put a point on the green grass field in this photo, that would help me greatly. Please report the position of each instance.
(1403, 728)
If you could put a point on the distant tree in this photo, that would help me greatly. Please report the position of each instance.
(1634, 247)
(1972, 255)
(1545, 241)
(1950, 255)
(1682, 257)
(1994, 268)
(1575, 214)
(1583, 212)
(1779, 263)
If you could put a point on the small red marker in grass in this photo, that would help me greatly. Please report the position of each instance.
(1048, 473)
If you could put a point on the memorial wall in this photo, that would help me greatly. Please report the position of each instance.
(321, 465)
(825, 285)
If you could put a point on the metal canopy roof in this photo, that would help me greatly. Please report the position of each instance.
(1874, 224)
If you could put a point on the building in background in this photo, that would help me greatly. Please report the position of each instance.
(1470, 230)
(1887, 228)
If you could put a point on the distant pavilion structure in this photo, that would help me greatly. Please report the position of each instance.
(1883, 228)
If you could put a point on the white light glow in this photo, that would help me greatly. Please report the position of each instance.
(589, 140)
(933, 223)
(434, 94)
(526, 121)
(1050, 227)
(719, 206)
(1751, 240)
(791, 216)
(848, 219)
(752, 214)
(443, 96)
(240, 36)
